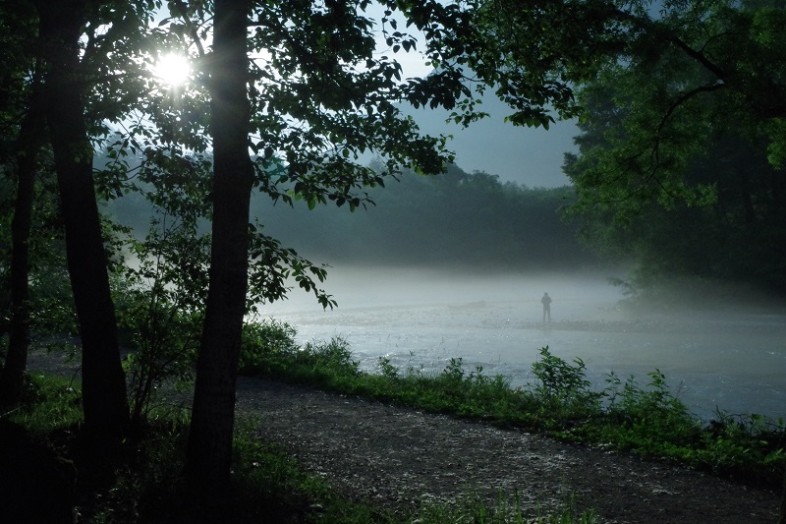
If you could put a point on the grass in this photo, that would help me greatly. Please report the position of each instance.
(49, 402)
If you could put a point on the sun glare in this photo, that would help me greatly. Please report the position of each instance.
(172, 69)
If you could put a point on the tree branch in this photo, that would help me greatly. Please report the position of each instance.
(192, 30)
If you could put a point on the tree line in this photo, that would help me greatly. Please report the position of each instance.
(455, 219)
(452, 220)
(680, 164)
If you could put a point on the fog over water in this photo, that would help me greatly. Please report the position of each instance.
(732, 356)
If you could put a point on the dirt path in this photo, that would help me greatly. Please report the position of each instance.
(397, 456)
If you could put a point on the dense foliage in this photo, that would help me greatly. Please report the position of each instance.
(680, 161)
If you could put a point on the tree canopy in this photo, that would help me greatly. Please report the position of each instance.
(681, 107)
(680, 149)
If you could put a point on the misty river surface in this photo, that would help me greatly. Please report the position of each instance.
(733, 358)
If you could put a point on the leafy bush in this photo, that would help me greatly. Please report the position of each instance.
(334, 356)
(388, 369)
(649, 413)
(162, 340)
(750, 446)
(160, 306)
(563, 392)
(269, 348)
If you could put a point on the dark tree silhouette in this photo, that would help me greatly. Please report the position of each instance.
(103, 382)
(210, 440)
(28, 145)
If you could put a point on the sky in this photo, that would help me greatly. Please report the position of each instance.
(527, 156)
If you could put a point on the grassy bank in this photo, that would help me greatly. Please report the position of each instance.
(644, 419)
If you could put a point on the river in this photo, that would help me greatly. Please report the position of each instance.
(730, 358)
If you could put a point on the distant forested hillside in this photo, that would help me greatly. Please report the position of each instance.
(455, 219)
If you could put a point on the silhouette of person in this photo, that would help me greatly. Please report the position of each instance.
(546, 301)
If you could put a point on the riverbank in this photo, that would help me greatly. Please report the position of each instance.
(399, 458)
(727, 359)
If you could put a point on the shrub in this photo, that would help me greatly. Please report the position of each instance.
(332, 357)
(563, 389)
(267, 347)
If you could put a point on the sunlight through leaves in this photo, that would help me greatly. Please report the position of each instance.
(173, 70)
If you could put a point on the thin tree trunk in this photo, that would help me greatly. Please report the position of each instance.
(29, 144)
(212, 423)
(782, 515)
(103, 381)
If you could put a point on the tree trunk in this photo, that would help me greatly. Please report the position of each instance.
(28, 146)
(782, 514)
(103, 381)
(212, 423)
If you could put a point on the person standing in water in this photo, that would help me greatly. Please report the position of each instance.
(546, 301)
